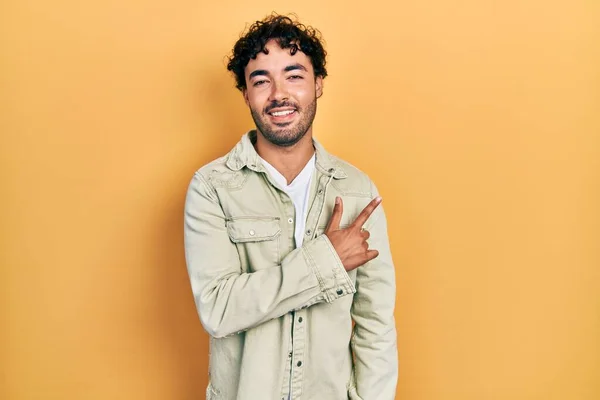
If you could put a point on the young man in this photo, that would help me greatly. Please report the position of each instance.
(278, 237)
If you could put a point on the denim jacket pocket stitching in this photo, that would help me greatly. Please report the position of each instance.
(244, 229)
(257, 240)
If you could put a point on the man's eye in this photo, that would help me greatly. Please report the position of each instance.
(296, 77)
(258, 83)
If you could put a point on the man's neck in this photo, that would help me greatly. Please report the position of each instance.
(289, 161)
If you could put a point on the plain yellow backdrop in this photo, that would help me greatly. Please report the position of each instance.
(478, 120)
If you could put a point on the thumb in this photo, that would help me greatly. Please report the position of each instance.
(336, 216)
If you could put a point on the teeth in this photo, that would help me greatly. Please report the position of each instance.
(282, 113)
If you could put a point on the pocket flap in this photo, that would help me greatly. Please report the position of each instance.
(253, 229)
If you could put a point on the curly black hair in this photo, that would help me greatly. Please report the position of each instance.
(289, 33)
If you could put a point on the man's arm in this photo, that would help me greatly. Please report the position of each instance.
(374, 338)
(230, 301)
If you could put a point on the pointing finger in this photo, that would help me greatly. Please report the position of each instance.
(366, 212)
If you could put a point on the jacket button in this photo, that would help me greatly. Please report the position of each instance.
(300, 319)
(252, 233)
(340, 292)
(291, 220)
(308, 232)
(299, 363)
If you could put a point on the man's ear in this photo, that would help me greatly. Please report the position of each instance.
(245, 94)
(319, 86)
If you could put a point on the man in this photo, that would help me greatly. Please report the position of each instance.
(278, 237)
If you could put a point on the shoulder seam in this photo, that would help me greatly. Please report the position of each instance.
(211, 192)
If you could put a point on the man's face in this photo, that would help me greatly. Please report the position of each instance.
(281, 91)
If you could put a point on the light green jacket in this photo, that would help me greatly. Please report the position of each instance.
(281, 317)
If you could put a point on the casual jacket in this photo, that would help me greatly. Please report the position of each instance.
(281, 317)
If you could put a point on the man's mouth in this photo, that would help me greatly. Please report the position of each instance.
(282, 114)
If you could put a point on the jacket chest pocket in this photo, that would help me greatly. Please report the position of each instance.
(257, 241)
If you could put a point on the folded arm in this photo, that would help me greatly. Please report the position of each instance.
(229, 300)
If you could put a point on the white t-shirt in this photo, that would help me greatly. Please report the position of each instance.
(298, 191)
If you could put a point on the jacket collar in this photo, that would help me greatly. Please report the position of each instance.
(244, 155)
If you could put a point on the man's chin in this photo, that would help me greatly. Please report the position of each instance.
(282, 124)
(282, 139)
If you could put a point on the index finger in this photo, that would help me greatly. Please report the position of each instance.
(366, 212)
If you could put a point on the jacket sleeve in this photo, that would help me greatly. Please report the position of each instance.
(230, 301)
(374, 338)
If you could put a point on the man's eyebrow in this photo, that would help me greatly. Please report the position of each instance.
(264, 72)
(257, 73)
(294, 67)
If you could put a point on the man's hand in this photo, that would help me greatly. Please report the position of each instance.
(351, 243)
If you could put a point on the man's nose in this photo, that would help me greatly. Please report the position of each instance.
(278, 92)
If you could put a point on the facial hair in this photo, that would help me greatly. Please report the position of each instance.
(280, 134)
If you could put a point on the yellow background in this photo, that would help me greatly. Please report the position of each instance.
(478, 120)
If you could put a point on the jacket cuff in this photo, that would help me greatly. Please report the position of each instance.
(325, 263)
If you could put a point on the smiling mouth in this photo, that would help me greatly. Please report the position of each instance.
(280, 112)
(283, 113)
